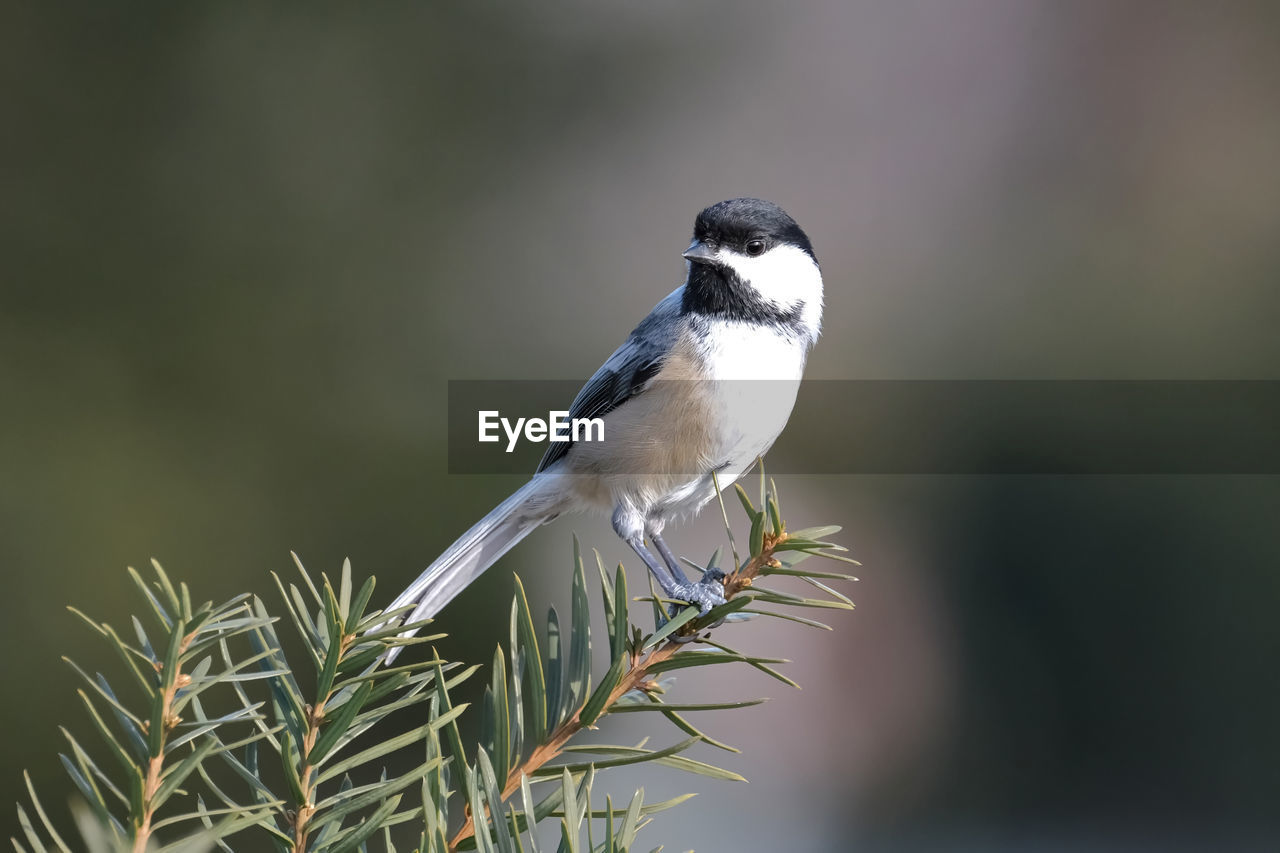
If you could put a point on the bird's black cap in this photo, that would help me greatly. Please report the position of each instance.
(732, 223)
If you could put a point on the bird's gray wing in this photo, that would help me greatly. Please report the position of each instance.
(627, 372)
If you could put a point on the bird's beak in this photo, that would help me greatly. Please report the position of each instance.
(699, 252)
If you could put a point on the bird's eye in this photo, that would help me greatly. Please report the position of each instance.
(755, 248)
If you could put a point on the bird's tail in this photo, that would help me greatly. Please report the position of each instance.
(478, 549)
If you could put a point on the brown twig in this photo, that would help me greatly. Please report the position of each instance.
(741, 578)
(155, 767)
(315, 717)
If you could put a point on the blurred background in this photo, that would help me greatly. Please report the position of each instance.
(244, 248)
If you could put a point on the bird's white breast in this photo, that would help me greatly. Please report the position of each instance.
(753, 374)
(733, 350)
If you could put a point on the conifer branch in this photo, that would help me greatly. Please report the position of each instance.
(177, 762)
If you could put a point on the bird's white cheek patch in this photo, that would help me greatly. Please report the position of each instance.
(784, 275)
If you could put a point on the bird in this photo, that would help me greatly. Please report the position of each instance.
(694, 396)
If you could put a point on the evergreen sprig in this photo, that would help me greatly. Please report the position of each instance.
(322, 807)
(297, 755)
(158, 742)
(562, 701)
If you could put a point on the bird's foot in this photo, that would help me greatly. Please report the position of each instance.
(706, 593)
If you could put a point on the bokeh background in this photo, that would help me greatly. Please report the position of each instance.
(244, 247)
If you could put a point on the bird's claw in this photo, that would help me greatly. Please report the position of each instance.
(705, 593)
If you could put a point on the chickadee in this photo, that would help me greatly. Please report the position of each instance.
(681, 404)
